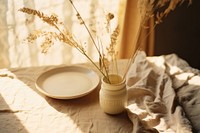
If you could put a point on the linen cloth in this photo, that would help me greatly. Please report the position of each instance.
(23, 109)
(163, 95)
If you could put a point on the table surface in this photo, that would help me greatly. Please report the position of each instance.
(24, 109)
(167, 100)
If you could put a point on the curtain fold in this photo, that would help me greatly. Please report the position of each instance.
(129, 16)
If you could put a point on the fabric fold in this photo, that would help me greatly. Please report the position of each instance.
(152, 101)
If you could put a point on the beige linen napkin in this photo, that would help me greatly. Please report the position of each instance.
(152, 102)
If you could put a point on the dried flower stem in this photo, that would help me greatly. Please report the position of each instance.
(83, 22)
(135, 52)
(65, 36)
(111, 49)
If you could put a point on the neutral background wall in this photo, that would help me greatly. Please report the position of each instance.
(180, 33)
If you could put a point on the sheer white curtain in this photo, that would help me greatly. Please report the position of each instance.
(15, 26)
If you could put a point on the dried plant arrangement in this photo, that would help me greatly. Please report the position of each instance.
(148, 9)
(62, 34)
(156, 9)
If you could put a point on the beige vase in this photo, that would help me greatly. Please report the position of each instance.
(113, 96)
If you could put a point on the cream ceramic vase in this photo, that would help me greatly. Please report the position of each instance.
(113, 96)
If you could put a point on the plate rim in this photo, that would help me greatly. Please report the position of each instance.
(74, 67)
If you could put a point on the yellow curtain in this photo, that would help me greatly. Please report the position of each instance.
(129, 20)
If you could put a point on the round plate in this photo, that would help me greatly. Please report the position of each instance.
(67, 82)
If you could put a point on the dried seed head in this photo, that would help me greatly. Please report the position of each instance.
(109, 16)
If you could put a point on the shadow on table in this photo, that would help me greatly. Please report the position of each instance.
(88, 116)
(9, 123)
(84, 112)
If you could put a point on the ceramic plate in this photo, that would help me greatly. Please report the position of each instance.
(67, 82)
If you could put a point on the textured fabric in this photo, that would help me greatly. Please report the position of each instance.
(23, 109)
(163, 97)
